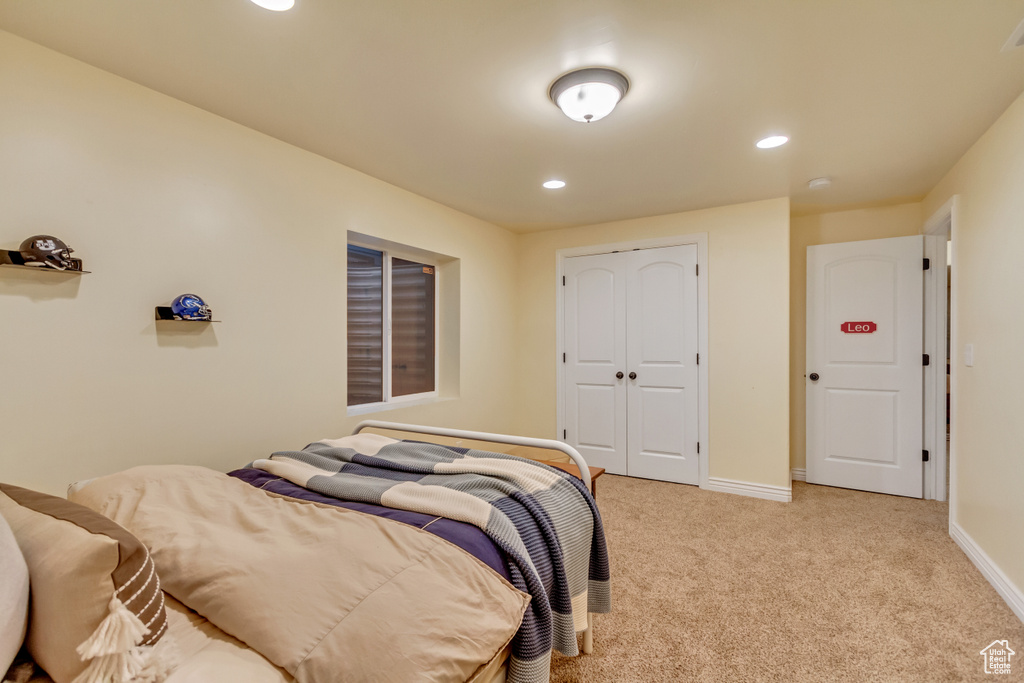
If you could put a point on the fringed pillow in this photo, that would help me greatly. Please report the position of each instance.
(97, 610)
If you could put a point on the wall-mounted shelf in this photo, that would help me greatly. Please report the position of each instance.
(164, 313)
(14, 259)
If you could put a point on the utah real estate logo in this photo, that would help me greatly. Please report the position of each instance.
(997, 657)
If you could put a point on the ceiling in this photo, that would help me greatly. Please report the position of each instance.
(448, 98)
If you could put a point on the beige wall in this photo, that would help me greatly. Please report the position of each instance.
(748, 364)
(161, 198)
(828, 228)
(988, 281)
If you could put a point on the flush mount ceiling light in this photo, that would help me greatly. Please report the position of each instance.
(772, 141)
(587, 95)
(554, 184)
(1016, 38)
(275, 5)
(819, 183)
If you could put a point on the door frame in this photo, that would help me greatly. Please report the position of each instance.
(699, 239)
(942, 223)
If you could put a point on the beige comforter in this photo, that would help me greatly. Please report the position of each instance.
(325, 593)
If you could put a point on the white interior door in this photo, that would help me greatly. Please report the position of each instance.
(865, 365)
(661, 350)
(595, 351)
(631, 340)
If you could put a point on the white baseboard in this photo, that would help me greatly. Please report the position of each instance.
(799, 474)
(782, 494)
(1013, 595)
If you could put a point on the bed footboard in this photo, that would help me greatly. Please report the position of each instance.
(551, 444)
(578, 460)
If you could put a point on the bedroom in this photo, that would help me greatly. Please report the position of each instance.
(160, 197)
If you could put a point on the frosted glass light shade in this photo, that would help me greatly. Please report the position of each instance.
(588, 102)
(772, 141)
(589, 95)
(276, 5)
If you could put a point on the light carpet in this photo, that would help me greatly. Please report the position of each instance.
(837, 585)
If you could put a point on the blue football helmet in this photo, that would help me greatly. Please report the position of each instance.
(190, 307)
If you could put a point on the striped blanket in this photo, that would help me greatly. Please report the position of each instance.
(544, 519)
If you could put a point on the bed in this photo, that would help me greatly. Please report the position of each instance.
(366, 558)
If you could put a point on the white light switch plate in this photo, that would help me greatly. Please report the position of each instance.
(969, 355)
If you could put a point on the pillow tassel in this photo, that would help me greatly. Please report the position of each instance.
(143, 664)
(158, 660)
(113, 668)
(112, 649)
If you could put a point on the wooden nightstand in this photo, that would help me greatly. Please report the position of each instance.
(595, 472)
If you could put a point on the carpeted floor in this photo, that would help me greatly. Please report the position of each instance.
(836, 586)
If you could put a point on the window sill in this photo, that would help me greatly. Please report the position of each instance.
(368, 408)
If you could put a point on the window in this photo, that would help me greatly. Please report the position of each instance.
(392, 327)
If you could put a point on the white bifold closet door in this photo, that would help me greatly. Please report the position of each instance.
(631, 398)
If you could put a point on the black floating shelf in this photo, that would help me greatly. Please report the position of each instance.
(165, 313)
(15, 259)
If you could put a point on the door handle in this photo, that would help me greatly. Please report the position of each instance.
(632, 375)
(619, 375)
(813, 377)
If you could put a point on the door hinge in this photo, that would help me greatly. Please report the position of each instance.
(924, 456)
(927, 263)
(563, 281)
(698, 446)
(563, 357)
(698, 359)
(565, 434)
(927, 359)
(697, 270)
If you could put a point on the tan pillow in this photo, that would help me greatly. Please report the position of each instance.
(96, 608)
(13, 596)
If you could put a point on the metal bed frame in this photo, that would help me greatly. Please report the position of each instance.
(551, 444)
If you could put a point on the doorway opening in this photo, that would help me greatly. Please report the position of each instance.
(876, 420)
(940, 333)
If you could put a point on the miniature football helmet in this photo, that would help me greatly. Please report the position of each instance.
(48, 252)
(190, 307)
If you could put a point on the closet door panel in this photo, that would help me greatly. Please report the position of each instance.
(595, 343)
(661, 349)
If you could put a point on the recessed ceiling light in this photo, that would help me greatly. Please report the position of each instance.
(588, 95)
(819, 183)
(275, 5)
(554, 184)
(772, 141)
